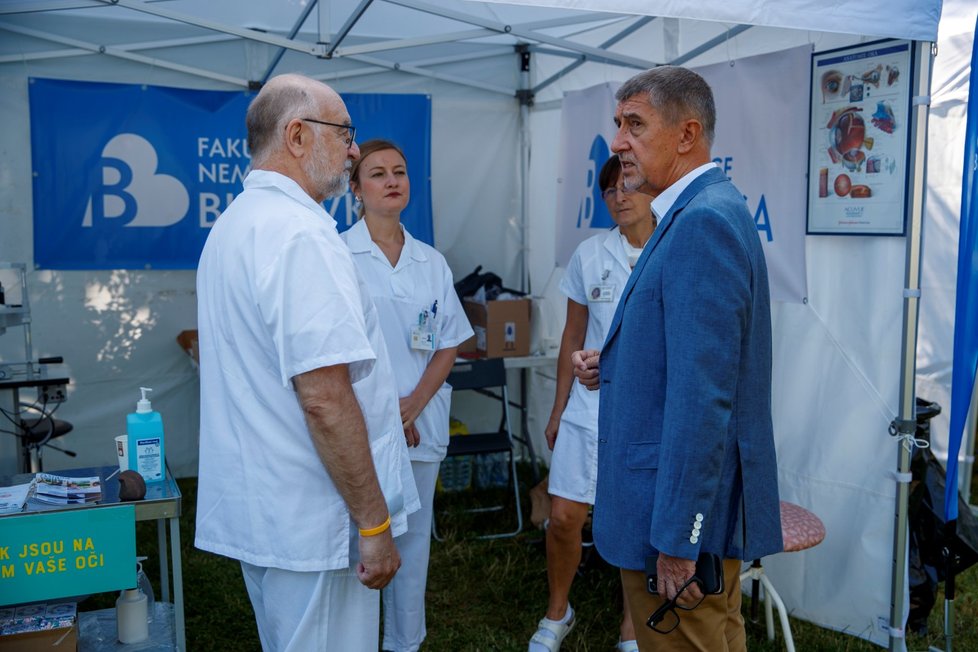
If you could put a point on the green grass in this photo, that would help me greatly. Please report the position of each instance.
(482, 596)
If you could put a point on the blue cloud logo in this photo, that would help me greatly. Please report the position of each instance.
(132, 191)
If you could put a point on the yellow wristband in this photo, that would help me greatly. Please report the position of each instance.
(374, 531)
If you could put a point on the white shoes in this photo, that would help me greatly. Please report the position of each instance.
(627, 646)
(550, 634)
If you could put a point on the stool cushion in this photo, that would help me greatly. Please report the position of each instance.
(800, 528)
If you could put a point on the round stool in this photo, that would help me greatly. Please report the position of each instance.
(800, 530)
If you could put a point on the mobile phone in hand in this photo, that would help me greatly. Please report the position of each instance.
(709, 573)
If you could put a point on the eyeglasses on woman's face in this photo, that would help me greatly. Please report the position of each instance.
(613, 191)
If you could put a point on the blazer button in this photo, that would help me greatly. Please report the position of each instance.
(694, 539)
(697, 525)
(699, 518)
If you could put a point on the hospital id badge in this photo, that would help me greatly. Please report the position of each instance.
(601, 293)
(422, 339)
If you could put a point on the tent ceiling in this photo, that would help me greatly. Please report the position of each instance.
(238, 43)
(909, 19)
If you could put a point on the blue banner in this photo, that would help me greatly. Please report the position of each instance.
(133, 177)
(966, 309)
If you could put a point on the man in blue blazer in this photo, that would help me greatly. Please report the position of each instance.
(686, 460)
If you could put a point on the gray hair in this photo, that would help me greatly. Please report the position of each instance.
(273, 108)
(677, 94)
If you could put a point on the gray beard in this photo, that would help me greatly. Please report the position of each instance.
(338, 185)
(330, 186)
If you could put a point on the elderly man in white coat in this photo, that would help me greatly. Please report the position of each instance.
(304, 474)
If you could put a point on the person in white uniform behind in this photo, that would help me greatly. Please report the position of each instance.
(304, 475)
(423, 324)
(593, 282)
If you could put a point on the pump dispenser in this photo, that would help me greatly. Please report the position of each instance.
(132, 616)
(144, 428)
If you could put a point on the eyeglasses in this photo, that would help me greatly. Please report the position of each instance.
(608, 192)
(665, 619)
(352, 131)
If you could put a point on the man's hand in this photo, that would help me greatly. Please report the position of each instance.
(673, 573)
(379, 560)
(586, 367)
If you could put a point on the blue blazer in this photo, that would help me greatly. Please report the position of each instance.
(686, 460)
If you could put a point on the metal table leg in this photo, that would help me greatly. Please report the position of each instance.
(178, 585)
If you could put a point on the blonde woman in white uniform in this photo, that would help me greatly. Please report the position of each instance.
(593, 282)
(423, 324)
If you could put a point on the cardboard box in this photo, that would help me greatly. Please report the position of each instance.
(61, 639)
(502, 328)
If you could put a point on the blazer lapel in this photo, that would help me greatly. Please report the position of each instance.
(699, 183)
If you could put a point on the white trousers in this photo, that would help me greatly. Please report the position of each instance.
(312, 611)
(404, 620)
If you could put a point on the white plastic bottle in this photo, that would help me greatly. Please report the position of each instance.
(146, 450)
(132, 616)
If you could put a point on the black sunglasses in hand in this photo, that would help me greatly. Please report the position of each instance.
(665, 619)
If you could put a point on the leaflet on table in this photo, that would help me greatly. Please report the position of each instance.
(58, 490)
(37, 617)
(12, 499)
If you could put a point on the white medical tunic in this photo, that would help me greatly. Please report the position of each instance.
(595, 277)
(279, 295)
(405, 295)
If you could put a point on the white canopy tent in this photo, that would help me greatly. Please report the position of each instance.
(496, 73)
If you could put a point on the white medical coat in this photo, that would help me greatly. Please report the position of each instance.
(402, 293)
(278, 295)
(600, 261)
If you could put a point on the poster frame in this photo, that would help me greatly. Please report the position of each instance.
(819, 188)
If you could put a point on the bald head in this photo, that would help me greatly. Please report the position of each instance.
(283, 99)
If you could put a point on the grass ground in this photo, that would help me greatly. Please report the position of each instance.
(483, 596)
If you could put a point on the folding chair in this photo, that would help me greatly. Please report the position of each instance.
(482, 376)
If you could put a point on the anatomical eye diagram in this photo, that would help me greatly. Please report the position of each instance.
(858, 136)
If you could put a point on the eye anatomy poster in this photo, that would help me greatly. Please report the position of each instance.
(859, 139)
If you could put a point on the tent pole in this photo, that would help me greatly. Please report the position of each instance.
(905, 425)
(525, 97)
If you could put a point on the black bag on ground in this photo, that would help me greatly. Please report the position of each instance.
(928, 539)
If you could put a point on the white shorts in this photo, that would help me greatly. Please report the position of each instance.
(574, 464)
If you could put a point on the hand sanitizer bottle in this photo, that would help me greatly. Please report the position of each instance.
(145, 430)
(131, 615)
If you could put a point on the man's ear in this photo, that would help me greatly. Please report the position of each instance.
(691, 132)
(297, 138)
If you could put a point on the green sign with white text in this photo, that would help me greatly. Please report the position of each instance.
(47, 555)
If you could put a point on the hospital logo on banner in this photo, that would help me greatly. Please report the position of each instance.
(586, 131)
(133, 192)
(132, 176)
(593, 212)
